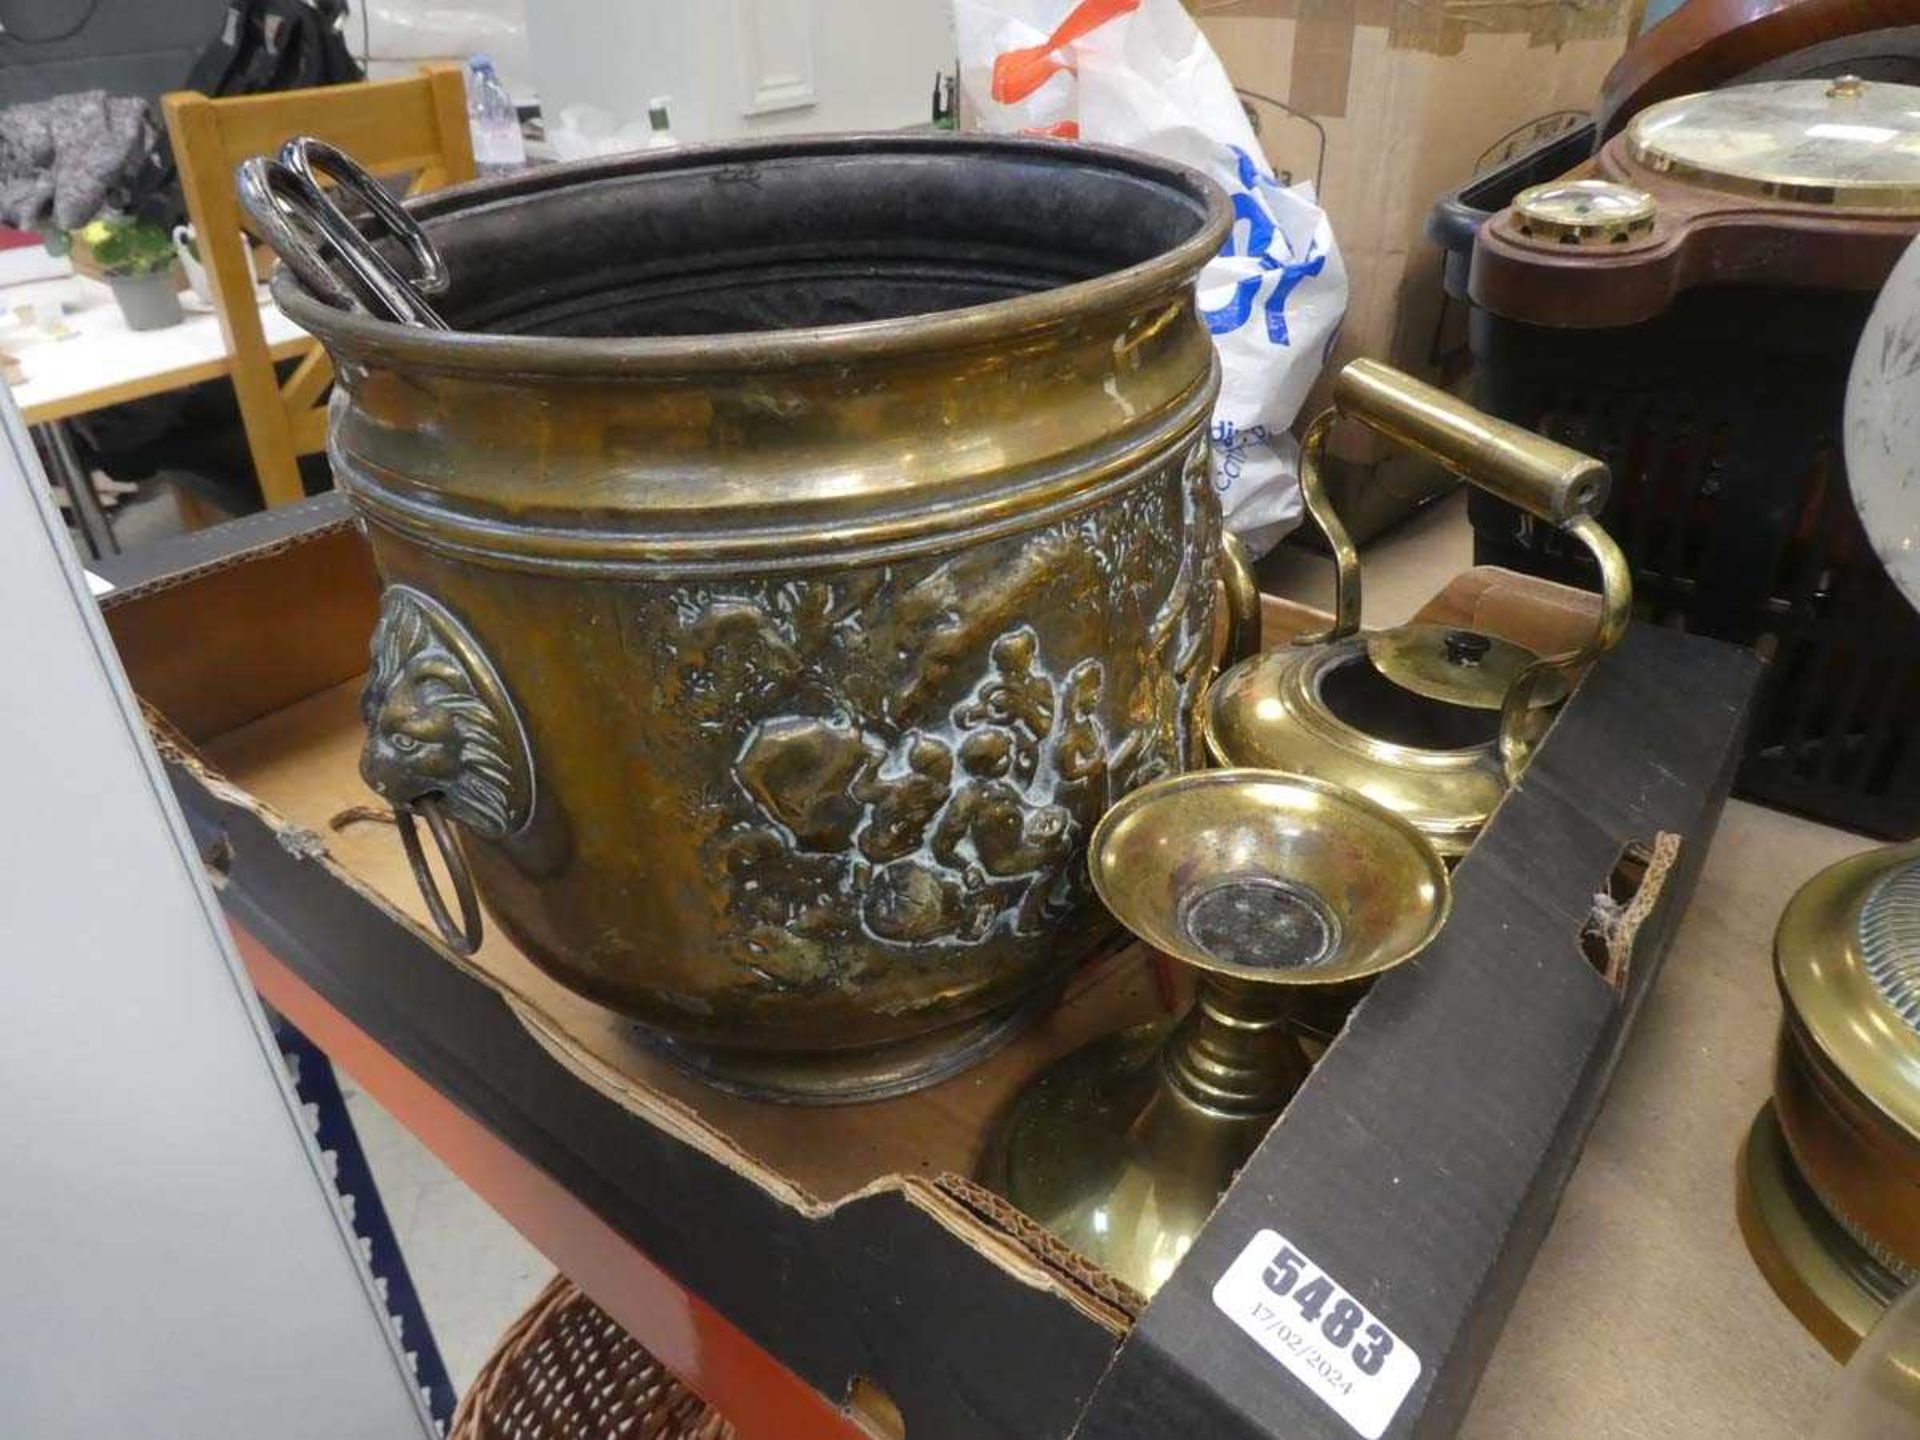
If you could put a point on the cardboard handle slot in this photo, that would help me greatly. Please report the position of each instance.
(1630, 894)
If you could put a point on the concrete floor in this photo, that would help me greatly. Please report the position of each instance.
(473, 1271)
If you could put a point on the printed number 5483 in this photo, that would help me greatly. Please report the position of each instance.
(1291, 1276)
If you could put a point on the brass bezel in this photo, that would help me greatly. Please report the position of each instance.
(1631, 223)
(1857, 196)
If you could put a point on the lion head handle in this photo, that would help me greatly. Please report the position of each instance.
(439, 722)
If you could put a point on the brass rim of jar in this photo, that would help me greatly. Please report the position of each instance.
(905, 528)
(833, 494)
(534, 356)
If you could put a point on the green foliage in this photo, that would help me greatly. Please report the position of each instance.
(125, 246)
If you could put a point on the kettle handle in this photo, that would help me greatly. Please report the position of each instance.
(1519, 731)
(1550, 481)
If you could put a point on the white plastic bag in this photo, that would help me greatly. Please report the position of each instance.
(399, 34)
(1139, 73)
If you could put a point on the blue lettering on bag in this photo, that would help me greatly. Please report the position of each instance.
(1260, 233)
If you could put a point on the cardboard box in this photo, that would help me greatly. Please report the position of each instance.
(1402, 99)
(1419, 1166)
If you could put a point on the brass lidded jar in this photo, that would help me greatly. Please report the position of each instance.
(791, 549)
(1830, 1178)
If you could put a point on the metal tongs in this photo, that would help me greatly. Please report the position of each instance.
(296, 215)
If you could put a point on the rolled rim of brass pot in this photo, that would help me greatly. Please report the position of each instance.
(1126, 235)
(780, 349)
(827, 525)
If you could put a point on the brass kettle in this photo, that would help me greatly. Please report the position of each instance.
(1432, 722)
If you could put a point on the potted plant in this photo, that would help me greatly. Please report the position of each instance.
(137, 259)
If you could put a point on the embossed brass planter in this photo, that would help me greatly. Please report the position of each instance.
(1271, 886)
(791, 549)
(1430, 722)
(1830, 1178)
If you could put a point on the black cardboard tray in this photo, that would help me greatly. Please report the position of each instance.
(1419, 1167)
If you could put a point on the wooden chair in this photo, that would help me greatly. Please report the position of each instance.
(415, 126)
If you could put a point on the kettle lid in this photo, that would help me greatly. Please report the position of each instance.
(1458, 666)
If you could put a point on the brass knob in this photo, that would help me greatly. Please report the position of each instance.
(1466, 647)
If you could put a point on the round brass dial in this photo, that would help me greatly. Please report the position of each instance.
(1583, 212)
(1845, 143)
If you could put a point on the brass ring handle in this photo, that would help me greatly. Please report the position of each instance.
(1243, 599)
(464, 938)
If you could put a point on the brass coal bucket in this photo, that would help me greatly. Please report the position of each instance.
(790, 551)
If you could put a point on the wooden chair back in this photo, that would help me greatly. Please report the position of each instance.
(416, 126)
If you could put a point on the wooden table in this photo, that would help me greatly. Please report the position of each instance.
(99, 362)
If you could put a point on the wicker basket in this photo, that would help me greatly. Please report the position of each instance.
(566, 1371)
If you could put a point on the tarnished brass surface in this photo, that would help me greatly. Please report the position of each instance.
(1398, 714)
(1271, 713)
(829, 633)
(1867, 1179)
(1273, 886)
(1242, 593)
(1847, 959)
(1832, 1285)
(1830, 1186)
(1847, 1084)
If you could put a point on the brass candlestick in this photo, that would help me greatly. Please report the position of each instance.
(1268, 884)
